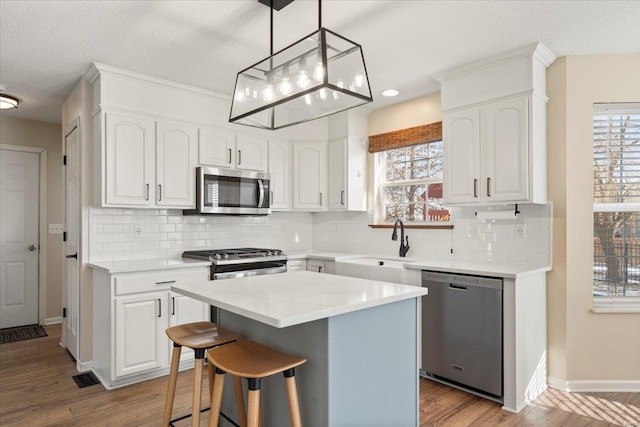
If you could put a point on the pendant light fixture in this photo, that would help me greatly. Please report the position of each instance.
(320, 74)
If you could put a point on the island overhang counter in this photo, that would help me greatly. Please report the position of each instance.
(359, 336)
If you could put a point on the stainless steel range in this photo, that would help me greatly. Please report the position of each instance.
(241, 262)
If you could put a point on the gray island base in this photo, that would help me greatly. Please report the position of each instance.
(361, 370)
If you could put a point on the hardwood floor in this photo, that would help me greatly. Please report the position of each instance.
(37, 389)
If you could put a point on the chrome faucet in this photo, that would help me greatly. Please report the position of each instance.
(394, 236)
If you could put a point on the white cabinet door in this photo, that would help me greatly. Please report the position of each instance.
(129, 160)
(280, 170)
(183, 310)
(461, 156)
(216, 148)
(316, 265)
(140, 339)
(251, 153)
(175, 165)
(310, 176)
(297, 265)
(505, 150)
(337, 190)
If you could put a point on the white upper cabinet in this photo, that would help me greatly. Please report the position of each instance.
(494, 129)
(222, 149)
(506, 150)
(310, 176)
(280, 171)
(338, 175)
(251, 153)
(147, 163)
(216, 148)
(175, 165)
(129, 160)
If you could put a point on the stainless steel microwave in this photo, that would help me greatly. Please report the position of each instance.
(228, 191)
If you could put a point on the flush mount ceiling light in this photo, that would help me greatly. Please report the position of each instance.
(7, 101)
(320, 74)
(390, 92)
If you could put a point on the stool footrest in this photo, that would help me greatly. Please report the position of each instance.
(184, 417)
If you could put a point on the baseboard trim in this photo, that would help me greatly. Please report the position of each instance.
(53, 320)
(84, 366)
(595, 386)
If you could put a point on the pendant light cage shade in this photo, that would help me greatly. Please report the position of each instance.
(321, 74)
(7, 102)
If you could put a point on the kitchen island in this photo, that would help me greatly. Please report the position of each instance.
(359, 336)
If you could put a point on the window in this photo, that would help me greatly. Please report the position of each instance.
(616, 200)
(410, 184)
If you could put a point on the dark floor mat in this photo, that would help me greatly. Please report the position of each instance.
(21, 333)
(86, 379)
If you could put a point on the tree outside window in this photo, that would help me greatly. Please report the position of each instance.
(411, 184)
(616, 202)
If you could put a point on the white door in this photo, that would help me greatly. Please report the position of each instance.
(280, 171)
(175, 165)
(141, 342)
(216, 148)
(130, 160)
(338, 175)
(71, 297)
(19, 245)
(251, 153)
(309, 176)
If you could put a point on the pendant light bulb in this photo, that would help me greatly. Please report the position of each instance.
(359, 80)
(285, 87)
(303, 80)
(307, 99)
(318, 72)
(323, 93)
(268, 94)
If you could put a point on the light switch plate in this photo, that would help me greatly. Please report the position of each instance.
(56, 228)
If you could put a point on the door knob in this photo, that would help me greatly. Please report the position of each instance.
(32, 248)
(73, 256)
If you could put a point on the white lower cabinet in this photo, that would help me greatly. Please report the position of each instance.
(131, 312)
(139, 328)
(297, 265)
(321, 266)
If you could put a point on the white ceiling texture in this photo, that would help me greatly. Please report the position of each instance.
(46, 45)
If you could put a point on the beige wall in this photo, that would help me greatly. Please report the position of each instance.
(583, 346)
(407, 114)
(14, 131)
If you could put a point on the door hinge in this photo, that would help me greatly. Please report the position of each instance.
(64, 312)
(64, 236)
(64, 160)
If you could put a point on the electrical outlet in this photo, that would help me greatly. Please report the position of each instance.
(137, 231)
(521, 231)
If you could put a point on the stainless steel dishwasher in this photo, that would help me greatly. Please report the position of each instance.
(462, 332)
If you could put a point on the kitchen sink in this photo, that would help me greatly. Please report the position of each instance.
(375, 268)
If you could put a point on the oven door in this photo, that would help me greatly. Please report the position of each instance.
(233, 192)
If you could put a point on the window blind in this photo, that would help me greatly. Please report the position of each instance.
(405, 137)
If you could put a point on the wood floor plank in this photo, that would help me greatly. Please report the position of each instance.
(37, 389)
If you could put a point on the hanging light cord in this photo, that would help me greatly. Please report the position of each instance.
(319, 14)
(271, 6)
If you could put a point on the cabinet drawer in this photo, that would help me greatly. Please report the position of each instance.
(132, 283)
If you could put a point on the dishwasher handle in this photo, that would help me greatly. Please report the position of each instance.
(457, 287)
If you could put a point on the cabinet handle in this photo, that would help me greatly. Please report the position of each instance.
(475, 187)
(173, 306)
(147, 192)
(319, 269)
(159, 307)
(159, 192)
(239, 157)
(320, 199)
(165, 283)
(271, 198)
(488, 187)
(342, 197)
(229, 155)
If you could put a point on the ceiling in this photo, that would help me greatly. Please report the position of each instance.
(46, 46)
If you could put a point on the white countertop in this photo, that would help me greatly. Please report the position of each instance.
(293, 298)
(325, 255)
(147, 265)
(480, 269)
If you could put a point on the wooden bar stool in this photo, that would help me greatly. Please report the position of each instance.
(198, 336)
(254, 362)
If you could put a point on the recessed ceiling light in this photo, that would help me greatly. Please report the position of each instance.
(390, 92)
